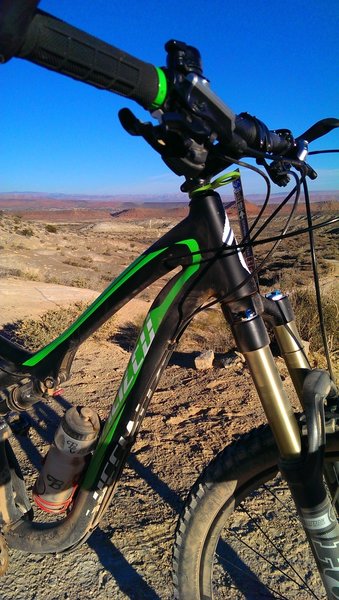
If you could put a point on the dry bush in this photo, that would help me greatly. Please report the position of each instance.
(36, 333)
(31, 273)
(10, 272)
(27, 231)
(77, 262)
(208, 330)
(51, 228)
(306, 313)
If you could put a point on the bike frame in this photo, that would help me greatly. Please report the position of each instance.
(211, 266)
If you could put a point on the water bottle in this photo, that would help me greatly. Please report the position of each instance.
(59, 477)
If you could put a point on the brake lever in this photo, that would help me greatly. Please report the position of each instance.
(135, 127)
(278, 171)
(180, 143)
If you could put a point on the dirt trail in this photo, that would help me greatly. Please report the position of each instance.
(22, 299)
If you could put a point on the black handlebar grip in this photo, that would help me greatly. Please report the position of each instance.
(61, 47)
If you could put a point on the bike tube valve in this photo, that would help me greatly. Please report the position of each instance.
(65, 461)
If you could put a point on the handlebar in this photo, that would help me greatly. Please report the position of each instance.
(196, 128)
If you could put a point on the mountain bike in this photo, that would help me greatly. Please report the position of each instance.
(284, 473)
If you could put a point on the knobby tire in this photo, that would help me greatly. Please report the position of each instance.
(239, 536)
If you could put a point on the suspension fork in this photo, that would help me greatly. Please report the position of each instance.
(305, 474)
(301, 465)
(253, 341)
(280, 313)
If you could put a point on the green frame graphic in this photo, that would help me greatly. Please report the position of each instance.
(150, 327)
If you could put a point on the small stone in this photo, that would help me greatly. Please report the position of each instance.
(213, 384)
(240, 356)
(231, 359)
(226, 362)
(204, 360)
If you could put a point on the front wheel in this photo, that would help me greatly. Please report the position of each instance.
(239, 536)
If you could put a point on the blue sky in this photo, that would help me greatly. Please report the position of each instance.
(276, 60)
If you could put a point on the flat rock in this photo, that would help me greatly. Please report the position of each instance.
(204, 360)
(23, 299)
(30, 299)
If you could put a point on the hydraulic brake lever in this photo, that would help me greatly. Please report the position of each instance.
(173, 139)
(278, 170)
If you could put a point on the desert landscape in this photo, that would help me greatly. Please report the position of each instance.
(56, 255)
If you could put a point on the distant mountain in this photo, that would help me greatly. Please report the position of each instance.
(30, 200)
(116, 198)
(321, 196)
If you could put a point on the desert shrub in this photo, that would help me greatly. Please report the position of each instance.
(48, 278)
(73, 262)
(79, 282)
(28, 273)
(10, 272)
(306, 313)
(27, 232)
(208, 331)
(36, 333)
(83, 262)
(51, 228)
(106, 277)
(31, 274)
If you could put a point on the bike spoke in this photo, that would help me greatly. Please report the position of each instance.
(225, 561)
(281, 567)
